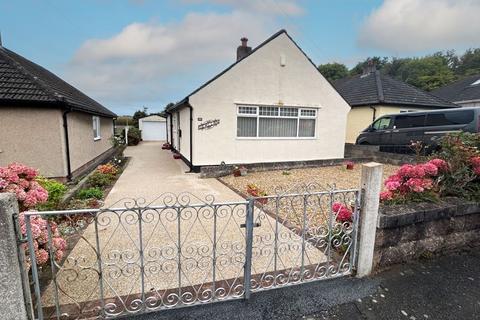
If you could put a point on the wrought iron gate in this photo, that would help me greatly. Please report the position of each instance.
(180, 250)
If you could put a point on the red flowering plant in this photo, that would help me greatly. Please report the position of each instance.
(339, 231)
(414, 182)
(342, 212)
(108, 168)
(454, 170)
(21, 181)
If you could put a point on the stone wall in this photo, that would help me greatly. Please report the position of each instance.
(407, 232)
(375, 153)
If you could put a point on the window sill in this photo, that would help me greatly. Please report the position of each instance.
(97, 138)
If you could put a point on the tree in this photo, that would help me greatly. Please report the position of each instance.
(469, 63)
(138, 115)
(427, 73)
(393, 67)
(333, 71)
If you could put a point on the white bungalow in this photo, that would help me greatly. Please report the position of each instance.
(271, 105)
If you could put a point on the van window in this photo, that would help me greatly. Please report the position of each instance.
(382, 123)
(409, 121)
(449, 118)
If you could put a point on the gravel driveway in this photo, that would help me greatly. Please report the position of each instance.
(150, 173)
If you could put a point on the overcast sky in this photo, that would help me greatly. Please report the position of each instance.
(129, 54)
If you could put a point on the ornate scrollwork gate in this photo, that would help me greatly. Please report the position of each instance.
(180, 250)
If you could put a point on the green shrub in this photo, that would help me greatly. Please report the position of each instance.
(56, 191)
(134, 136)
(99, 179)
(461, 180)
(89, 193)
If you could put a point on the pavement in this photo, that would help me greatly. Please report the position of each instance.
(443, 288)
(446, 287)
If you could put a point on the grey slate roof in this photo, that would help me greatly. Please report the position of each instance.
(21, 80)
(461, 90)
(376, 88)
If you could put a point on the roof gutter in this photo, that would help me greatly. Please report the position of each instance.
(191, 137)
(66, 111)
(374, 113)
(171, 127)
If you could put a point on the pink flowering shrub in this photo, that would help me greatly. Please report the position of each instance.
(20, 180)
(342, 212)
(40, 239)
(414, 182)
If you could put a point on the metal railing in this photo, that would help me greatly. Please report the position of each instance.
(181, 250)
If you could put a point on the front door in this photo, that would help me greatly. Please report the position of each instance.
(179, 131)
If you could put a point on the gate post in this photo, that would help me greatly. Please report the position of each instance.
(371, 185)
(12, 304)
(247, 269)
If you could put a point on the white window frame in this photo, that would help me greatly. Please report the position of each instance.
(258, 117)
(96, 127)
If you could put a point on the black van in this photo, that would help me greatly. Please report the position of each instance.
(425, 126)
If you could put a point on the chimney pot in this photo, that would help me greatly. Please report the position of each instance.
(370, 67)
(243, 50)
(244, 41)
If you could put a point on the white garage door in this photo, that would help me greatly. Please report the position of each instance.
(154, 131)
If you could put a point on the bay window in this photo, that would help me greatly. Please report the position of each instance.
(275, 122)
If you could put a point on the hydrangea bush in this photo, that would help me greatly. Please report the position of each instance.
(40, 240)
(21, 181)
(414, 182)
(453, 171)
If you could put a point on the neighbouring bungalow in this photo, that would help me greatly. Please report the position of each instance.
(271, 105)
(464, 92)
(48, 124)
(374, 94)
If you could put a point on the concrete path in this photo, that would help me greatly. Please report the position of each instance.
(153, 171)
(170, 277)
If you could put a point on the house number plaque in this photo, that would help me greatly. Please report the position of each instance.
(208, 124)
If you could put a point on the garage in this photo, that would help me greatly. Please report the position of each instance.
(154, 128)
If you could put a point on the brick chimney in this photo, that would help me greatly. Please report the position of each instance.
(243, 50)
(369, 67)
